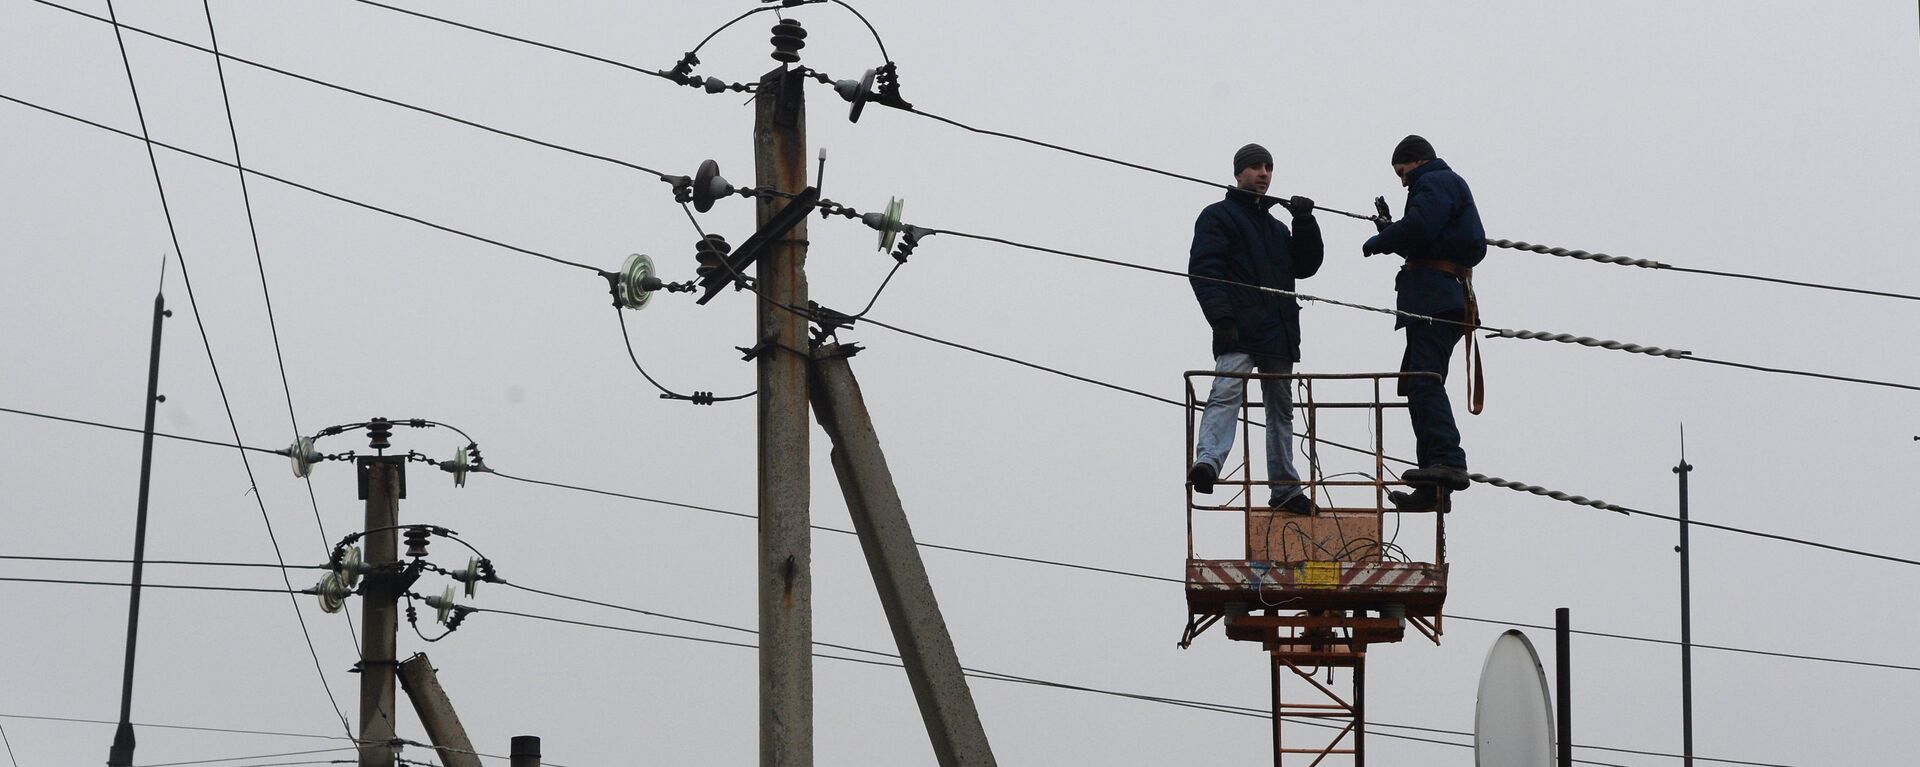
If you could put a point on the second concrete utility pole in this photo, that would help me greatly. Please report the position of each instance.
(785, 556)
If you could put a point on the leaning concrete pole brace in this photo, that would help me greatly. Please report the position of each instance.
(933, 668)
(785, 567)
(436, 712)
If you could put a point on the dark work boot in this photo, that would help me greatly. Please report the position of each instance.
(1449, 477)
(1299, 504)
(1202, 476)
(1423, 498)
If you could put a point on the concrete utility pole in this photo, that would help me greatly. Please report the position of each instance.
(933, 668)
(436, 713)
(383, 482)
(120, 754)
(785, 562)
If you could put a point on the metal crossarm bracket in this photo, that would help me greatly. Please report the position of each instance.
(743, 256)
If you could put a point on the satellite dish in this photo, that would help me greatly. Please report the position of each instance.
(708, 185)
(1513, 715)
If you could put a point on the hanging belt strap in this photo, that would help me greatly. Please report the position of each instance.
(1476, 375)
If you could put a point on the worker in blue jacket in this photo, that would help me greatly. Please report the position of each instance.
(1440, 236)
(1239, 248)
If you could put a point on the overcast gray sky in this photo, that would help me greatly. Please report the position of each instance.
(1764, 138)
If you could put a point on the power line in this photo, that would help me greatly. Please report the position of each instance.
(226, 730)
(1167, 579)
(522, 40)
(1053, 562)
(1697, 645)
(1498, 332)
(1125, 163)
(303, 187)
(227, 404)
(218, 55)
(1649, 264)
(1493, 332)
(1004, 677)
(99, 560)
(253, 231)
(451, 230)
(957, 549)
(248, 758)
(9, 742)
(186, 587)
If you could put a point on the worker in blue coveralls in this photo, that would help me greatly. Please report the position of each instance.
(1440, 236)
(1238, 248)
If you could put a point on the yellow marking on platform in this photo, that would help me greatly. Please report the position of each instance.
(1318, 575)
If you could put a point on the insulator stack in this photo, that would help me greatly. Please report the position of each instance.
(788, 38)
(417, 541)
(711, 251)
(380, 433)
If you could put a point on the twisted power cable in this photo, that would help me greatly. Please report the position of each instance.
(1650, 264)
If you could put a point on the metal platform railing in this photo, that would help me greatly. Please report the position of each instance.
(1308, 407)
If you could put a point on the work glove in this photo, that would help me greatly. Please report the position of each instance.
(1372, 246)
(1226, 336)
(1298, 206)
(1385, 217)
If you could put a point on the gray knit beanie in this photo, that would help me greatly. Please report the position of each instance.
(1250, 155)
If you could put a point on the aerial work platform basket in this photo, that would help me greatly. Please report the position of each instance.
(1314, 589)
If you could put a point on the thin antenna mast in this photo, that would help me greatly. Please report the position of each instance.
(121, 753)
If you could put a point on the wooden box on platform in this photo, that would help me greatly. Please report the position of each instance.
(1274, 536)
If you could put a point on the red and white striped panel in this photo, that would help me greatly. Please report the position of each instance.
(1376, 577)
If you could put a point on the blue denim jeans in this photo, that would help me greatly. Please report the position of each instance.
(1222, 418)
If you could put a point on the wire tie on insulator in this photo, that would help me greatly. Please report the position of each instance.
(682, 70)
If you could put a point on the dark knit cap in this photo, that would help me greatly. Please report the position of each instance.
(1412, 149)
(1249, 155)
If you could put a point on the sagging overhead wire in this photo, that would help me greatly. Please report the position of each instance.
(224, 56)
(146, 137)
(260, 265)
(957, 549)
(997, 676)
(1514, 244)
(681, 181)
(537, 254)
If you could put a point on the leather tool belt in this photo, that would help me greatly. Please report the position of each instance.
(1476, 376)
